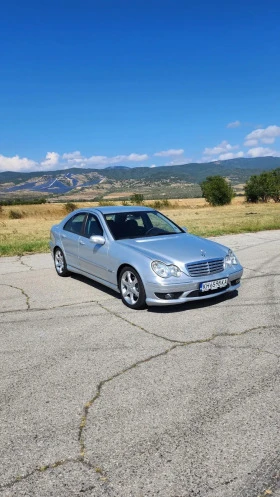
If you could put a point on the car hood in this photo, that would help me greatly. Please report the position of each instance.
(178, 249)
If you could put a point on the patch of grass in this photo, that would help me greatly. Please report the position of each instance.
(106, 203)
(230, 219)
(24, 247)
(31, 233)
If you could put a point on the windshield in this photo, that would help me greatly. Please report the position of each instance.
(140, 225)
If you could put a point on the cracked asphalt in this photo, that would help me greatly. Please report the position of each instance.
(99, 400)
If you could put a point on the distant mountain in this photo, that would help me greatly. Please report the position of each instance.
(116, 167)
(79, 181)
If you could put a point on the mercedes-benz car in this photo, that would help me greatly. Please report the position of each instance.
(143, 255)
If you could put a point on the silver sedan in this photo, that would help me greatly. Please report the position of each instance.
(143, 255)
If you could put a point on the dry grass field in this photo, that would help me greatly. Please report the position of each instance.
(31, 232)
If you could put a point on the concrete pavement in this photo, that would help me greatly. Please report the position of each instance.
(99, 400)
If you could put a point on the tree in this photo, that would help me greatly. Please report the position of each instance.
(137, 198)
(263, 187)
(252, 189)
(276, 176)
(217, 191)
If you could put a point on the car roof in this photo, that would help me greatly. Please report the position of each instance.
(115, 209)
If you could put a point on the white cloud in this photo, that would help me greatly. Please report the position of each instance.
(234, 124)
(179, 162)
(51, 160)
(137, 157)
(169, 153)
(76, 158)
(223, 147)
(16, 164)
(55, 161)
(72, 155)
(268, 140)
(250, 143)
(153, 165)
(262, 152)
(264, 135)
(231, 155)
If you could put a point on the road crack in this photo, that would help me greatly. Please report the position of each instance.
(38, 309)
(24, 263)
(53, 465)
(23, 293)
(259, 275)
(138, 326)
(248, 347)
(86, 408)
(100, 386)
(102, 383)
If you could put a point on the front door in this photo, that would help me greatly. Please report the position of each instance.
(93, 258)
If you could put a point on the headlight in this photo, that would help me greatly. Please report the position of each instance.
(230, 259)
(164, 270)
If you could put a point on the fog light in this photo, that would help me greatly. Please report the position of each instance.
(169, 296)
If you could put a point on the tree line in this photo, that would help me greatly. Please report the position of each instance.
(259, 188)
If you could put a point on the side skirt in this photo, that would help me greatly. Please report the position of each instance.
(94, 278)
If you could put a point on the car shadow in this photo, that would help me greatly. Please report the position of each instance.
(196, 304)
(169, 309)
(95, 284)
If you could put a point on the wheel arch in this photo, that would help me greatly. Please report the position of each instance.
(127, 264)
(56, 246)
(140, 303)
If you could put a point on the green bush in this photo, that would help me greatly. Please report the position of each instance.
(137, 198)
(70, 207)
(161, 204)
(217, 191)
(22, 201)
(157, 204)
(15, 214)
(166, 203)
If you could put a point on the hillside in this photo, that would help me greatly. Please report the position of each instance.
(172, 181)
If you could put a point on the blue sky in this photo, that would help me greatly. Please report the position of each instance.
(93, 83)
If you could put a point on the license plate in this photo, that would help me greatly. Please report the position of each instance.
(213, 285)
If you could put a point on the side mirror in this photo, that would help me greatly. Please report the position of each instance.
(97, 239)
(185, 229)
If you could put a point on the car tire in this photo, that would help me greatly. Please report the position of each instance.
(60, 263)
(131, 288)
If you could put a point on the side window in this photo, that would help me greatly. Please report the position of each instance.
(93, 226)
(75, 224)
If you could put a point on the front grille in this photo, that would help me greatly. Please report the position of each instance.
(203, 268)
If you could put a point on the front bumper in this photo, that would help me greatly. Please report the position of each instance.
(188, 290)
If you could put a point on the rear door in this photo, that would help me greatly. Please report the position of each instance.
(70, 238)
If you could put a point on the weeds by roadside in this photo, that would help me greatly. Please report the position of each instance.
(30, 233)
(15, 214)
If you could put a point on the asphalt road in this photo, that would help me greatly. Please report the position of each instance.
(99, 400)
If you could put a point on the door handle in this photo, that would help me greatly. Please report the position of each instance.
(81, 243)
(63, 236)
